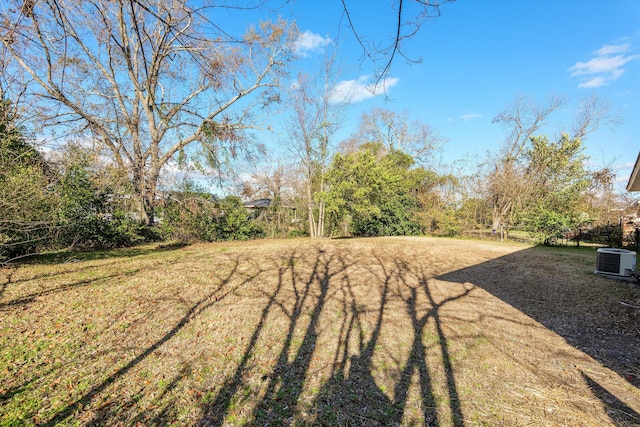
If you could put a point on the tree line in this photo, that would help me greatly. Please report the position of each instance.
(136, 88)
(534, 183)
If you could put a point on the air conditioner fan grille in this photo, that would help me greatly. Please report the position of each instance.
(608, 262)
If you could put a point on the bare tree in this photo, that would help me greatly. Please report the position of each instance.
(603, 203)
(397, 131)
(147, 81)
(315, 117)
(507, 186)
(593, 113)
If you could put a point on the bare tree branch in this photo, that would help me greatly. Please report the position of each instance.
(145, 80)
(407, 25)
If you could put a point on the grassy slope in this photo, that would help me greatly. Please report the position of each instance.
(409, 331)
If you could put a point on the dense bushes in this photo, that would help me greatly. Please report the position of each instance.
(27, 208)
(91, 212)
(70, 203)
(373, 193)
(191, 215)
(76, 201)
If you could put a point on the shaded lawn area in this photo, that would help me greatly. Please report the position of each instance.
(387, 331)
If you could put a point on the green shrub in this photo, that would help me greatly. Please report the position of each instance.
(192, 216)
(233, 222)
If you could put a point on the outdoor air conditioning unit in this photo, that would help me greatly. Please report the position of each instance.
(616, 262)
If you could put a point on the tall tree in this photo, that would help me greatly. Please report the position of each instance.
(507, 186)
(511, 183)
(315, 117)
(558, 179)
(146, 81)
(438, 196)
(602, 201)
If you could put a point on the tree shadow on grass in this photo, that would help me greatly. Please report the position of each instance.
(220, 292)
(418, 362)
(215, 412)
(71, 256)
(366, 297)
(619, 412)
(285, 383)
(30, 298)
(351, 395)
(9, 271)
(580, 306)
(118, 412)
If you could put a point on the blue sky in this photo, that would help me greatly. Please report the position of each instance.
(479, 54)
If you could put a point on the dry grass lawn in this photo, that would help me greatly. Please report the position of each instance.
(388, 331)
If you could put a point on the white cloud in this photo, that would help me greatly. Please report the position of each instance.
(357, 90)
(605, 67)
(595, 82)
(600, 64)
(612, 49)
(309, 42)
(470, 116)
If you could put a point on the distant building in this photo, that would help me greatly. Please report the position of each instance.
(258, 204)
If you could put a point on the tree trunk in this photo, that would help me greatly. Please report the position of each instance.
(496, 226)
(149, 211)
(312, 221)
(320, 228)
(146, 188)
(496, 223)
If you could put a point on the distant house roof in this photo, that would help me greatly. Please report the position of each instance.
(258, 204)
(634, 179)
